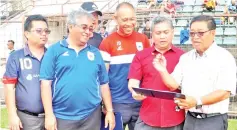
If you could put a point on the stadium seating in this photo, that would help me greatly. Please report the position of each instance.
(189, 2)
(218, 40)
(187, 9)
(177, 30)
(219, 8)
(229, 40)
(230, 31)
(182, 22)
(225, 34)
(198, 9)
(176, 40)
(198, 2)
(219, 31)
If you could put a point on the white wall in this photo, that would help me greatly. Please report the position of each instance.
(14, 31)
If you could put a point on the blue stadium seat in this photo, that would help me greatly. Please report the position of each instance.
(218, 40)
(189, 2)
(182, 22)
(219, 31)
(230, 40)
(199, 2)
(196, 13)
(230, 31)
(218, 21)
(221, 2)
(187, 9)
(197, 9)
(177, 30)
(176, 40)
(219, 8)
(208, 13)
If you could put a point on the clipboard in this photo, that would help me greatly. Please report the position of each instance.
(159, 94)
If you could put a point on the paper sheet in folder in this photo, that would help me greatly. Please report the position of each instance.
(159, 94)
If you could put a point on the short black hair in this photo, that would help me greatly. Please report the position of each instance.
(103, 27)
(37, 17)
(211, 24)
(11, 41)
(147, 20)
(124, 4)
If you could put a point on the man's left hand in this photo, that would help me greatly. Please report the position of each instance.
(187, 103)
(109, 120)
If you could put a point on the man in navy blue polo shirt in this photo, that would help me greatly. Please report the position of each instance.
(91, 8)
(74, 80)
(21, 79)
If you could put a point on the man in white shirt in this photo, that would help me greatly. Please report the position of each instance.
(10, 46)
(4, 56)
(206, 75)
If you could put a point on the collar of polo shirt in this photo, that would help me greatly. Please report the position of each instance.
(155, 51)
(65, 44)
(208, 52)
(28, 52)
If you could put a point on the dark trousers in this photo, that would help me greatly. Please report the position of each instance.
(140, 125)
(30, 122)
(129, 112)
(92, 122)
(219, 122)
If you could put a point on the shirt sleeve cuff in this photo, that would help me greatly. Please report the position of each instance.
(134, 77)
(46, 78)
(103, 83)
(7, 80)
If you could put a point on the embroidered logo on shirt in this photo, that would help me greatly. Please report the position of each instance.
(119, 46)
(94, 7)
(29, 77)
(66, 53)
(90, 56)
(139, 46)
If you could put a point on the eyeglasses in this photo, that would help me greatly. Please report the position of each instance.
(85, 27)
(40, 31)
(199, 34)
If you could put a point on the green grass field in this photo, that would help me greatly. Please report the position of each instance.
(4, 122)
(3, 119)
(232, 124)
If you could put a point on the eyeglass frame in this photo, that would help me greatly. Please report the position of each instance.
(91, 29)
(40, 31)
(199, 34)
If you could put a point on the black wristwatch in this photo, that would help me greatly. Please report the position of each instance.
(199, 103)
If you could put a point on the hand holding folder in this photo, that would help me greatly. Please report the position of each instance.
(159, 94)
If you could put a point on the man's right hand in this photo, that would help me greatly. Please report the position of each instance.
(159, 63)
(50, 122)
(138, 96)
(15, 122)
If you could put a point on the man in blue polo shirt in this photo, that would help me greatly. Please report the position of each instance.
(74, 80)
(21, 79)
